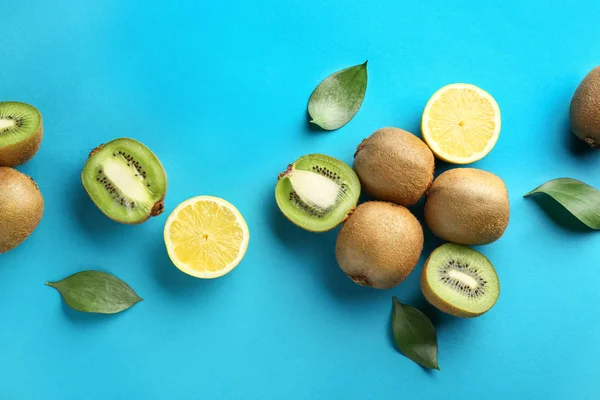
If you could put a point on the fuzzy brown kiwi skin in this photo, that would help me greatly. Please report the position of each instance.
(394, 165)
(21, 208)
(367, 253)
(437, 301)
(156, 210)
(585, 109)
(23, 151)
(467, 206)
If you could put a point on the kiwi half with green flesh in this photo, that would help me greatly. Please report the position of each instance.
(460, 281)
(21, 133)
(394, 165)
(317, 192)
(379, 245)
(21, 208)
(467, 206)
(126, 181)
(585, 112)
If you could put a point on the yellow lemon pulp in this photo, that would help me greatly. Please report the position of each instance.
(461, 123)
(206, 237)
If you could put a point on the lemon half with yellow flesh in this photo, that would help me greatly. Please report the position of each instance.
(206, 237)
(461, 123)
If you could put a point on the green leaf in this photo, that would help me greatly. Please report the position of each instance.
(581, 200)
(415, 335)
(337, 99)
(96, 292)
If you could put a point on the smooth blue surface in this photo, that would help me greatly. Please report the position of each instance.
(218, 90)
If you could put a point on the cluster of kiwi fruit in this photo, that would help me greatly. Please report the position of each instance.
(21, 202)
(381, 241)
(123, 177)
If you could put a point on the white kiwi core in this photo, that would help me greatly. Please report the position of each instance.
(131, 186)
(315, 189)
(464, 278)
(6, 123)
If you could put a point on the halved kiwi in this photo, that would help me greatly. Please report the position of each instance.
(317, 192)
(126, 181)
(460, 281)
(21, 133)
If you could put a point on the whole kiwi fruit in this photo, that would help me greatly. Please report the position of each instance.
(467, 206)
(394, 165)
(585, 109)
(21, 208)
(379, 245)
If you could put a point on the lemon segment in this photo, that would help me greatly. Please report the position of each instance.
(206, 237)
(461, 123)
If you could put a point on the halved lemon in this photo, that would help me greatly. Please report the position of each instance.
(461, 123)
(206, 237)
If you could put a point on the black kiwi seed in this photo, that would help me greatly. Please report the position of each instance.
(115, 194)
(305, 207)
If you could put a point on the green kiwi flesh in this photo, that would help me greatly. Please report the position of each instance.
(21, 208)
(21, 133)
(460, 281)
(317, 192)
(126, 181)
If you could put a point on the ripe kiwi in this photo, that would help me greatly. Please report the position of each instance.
(585, 110)
(460, 281)
(21, 208)
(394, 165)
(126, 181)
(467, 206)
(21, 133)
(317, 192)
(379, 245)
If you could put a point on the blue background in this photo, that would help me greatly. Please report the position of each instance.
(218, 90)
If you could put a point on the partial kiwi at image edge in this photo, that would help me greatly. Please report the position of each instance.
(584, 111)
(21, 208)
(126, 181)
(21, 132)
